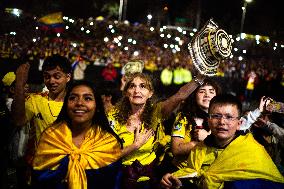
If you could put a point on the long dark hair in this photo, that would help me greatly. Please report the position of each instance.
(191, 109)
(99, 118)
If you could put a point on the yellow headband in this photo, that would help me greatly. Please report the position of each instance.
(9, 78)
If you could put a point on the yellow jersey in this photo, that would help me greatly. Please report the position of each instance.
(41, 112)
(146, 153)
(182, 129)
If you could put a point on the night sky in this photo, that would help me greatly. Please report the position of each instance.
(263, 17)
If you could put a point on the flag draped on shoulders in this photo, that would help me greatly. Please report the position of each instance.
(242, 159)
(99, 149)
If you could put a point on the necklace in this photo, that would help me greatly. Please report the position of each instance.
(50, 108)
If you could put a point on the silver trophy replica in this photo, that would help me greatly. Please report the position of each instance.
(209, 47)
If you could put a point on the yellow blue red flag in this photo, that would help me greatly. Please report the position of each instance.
(50, 19)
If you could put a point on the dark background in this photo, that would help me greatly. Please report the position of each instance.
(263, 17)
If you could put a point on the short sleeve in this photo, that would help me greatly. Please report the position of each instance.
(179, 127)
(29, 107)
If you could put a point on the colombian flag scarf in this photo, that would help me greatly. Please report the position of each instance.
(242, 159)
(98, 149)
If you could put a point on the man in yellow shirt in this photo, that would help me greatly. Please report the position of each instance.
(41, 109)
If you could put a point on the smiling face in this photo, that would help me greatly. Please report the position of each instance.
(55, 80)
(81, 105)
(138, 91)
(203, 96)
(224, 126)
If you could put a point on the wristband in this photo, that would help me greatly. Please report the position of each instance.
(199, 127)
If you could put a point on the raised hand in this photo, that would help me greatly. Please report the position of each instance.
(264, 101)
(200, 134)
(22, 74)
(198, 121)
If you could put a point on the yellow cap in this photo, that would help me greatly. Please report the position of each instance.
(9, 78)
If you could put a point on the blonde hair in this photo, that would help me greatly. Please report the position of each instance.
(124, 107)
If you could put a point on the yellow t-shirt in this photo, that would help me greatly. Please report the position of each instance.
(41, 112)
(146, 153)
(250, 83)
(181, 129)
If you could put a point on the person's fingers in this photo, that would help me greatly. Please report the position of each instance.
(166, 181)
(178, 183)
(137, 131)
(24, 68)
(150, 133)
(165, 185)
(268, 100)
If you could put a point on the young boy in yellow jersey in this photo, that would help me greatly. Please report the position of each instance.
(41, 109)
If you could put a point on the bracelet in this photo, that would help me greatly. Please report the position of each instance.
(199, 82)
(199, 127)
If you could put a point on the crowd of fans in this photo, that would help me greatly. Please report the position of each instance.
(98, 43)
(97, 50)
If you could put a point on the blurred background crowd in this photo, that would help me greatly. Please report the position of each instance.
(98, 47)
(254, 69)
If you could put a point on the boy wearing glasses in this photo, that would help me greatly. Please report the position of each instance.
(227, 159)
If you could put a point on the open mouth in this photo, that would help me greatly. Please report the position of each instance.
(137, 97)
(221, 130)
(206, 100)
(79, 112)
(53, 88)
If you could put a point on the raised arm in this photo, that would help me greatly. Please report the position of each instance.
(181, 148)
(179, 145)
(169, 105)
(252, 116)
(18, 105)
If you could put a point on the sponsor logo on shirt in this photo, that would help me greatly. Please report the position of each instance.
(177, 127)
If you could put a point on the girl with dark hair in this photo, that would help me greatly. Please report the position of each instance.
(191, 125)
(79, 150)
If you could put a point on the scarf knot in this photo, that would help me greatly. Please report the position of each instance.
(75, 154)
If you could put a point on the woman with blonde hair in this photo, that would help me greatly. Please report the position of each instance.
(137, 120)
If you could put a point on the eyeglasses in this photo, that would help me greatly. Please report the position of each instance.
(225, 117)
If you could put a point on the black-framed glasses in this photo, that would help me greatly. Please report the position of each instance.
(225, 117)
